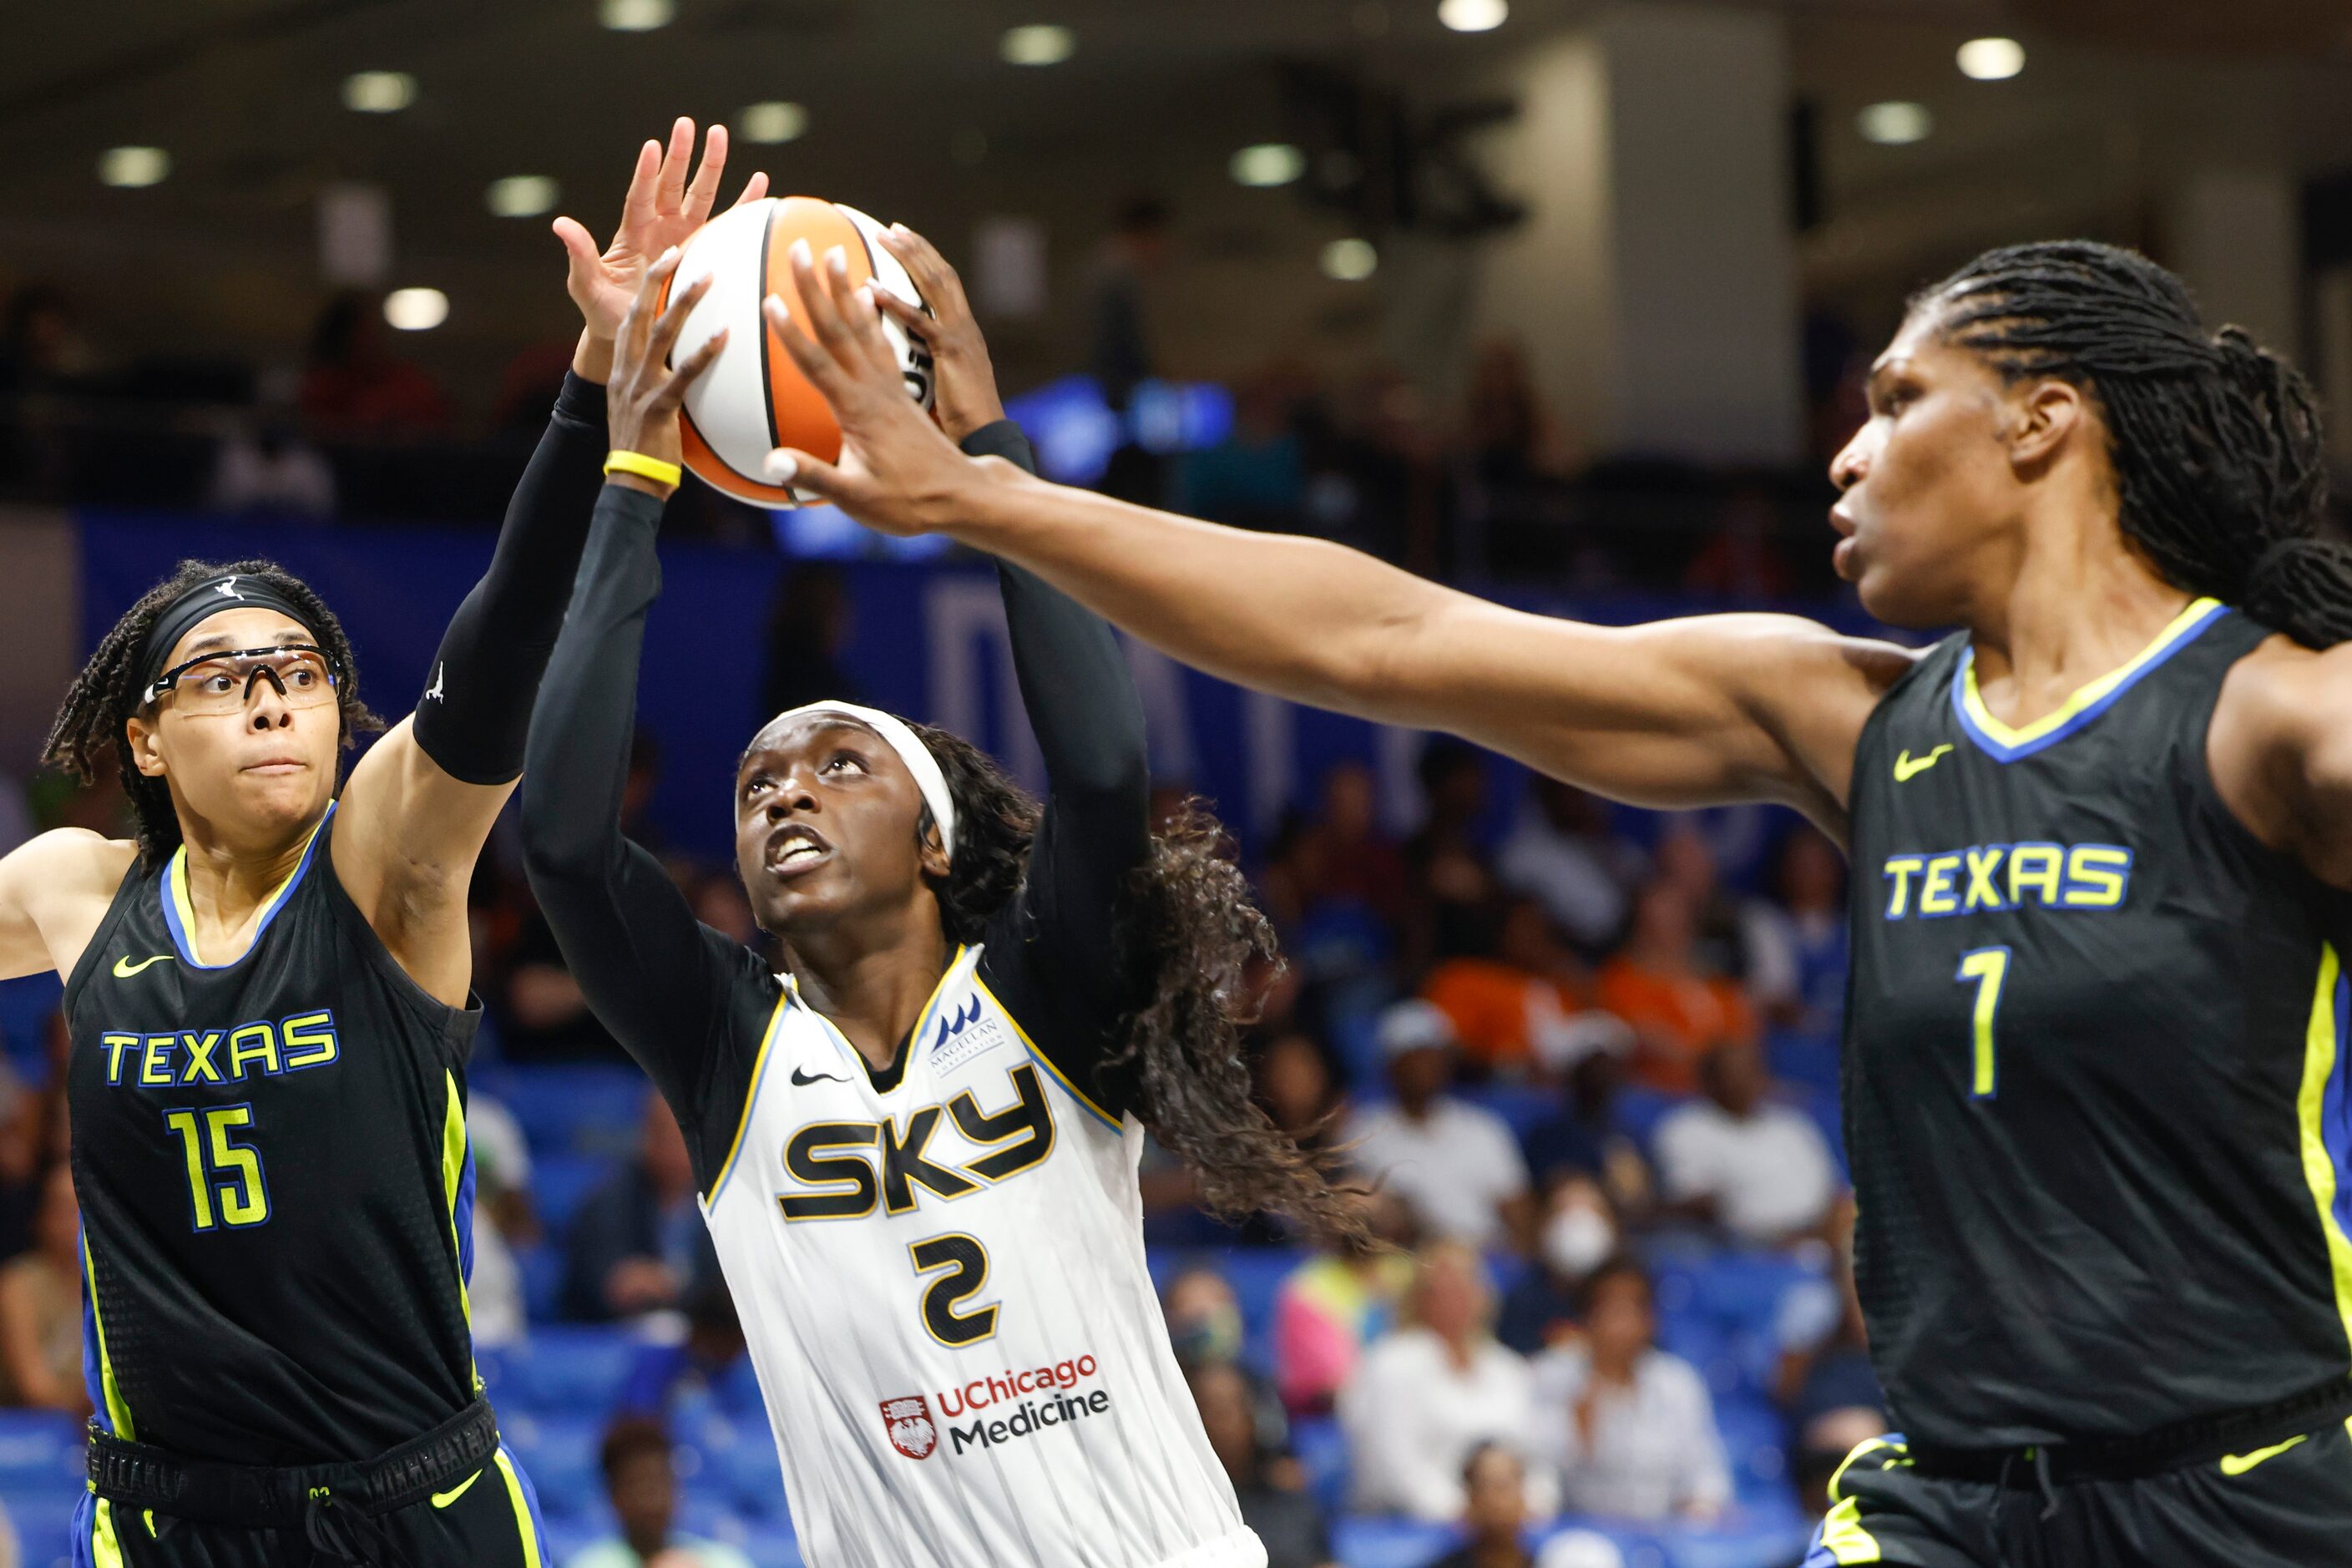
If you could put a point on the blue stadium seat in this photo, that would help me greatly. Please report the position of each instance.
(1638, 1111)
(580, 1110)
(559, 1184)
(567, 1538)
(1522, 1107)
(43, 1515)
(26, 1004)
(1807, 1060)
(1322, 1451)
(560, 1452)
(1755, 1439)
(577, 1368)
(772, 1546)
(541, 1264)
(1365, 1542)
(40, 1448)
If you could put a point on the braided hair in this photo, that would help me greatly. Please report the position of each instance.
(2215, 441)
(1189, 935)
(105, 696)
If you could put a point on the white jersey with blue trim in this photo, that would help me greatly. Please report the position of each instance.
(945, 1294)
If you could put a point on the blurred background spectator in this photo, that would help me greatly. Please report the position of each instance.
(641, 1479)
(1274, 1503)
(1455, 1164)
(638, 1244)
(1428, 1394)
(1629, 1428)
(1761, 1170)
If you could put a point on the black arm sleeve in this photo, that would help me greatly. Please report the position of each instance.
(685, 1001)
(477, 702)
(1054, 961)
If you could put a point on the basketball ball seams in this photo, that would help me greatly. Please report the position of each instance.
(767, 332)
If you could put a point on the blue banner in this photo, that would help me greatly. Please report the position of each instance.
(927, 640)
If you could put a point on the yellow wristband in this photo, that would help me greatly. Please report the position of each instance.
(644, 467)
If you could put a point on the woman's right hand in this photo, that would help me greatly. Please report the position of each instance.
(642, 402)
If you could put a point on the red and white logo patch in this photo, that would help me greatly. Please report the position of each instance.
(908, 1422)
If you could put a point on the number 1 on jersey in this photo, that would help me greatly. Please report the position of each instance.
(1988, 967)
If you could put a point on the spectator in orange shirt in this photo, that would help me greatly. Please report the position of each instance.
(1525, 1010)
(1678, 1010)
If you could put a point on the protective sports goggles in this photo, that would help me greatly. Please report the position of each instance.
(303, 673)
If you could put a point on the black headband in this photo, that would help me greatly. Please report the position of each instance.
(235, 591)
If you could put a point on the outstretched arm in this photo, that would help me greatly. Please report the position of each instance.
(419, 806)
(654, 976)
(1674, 713)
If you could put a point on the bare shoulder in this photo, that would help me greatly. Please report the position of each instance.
(73, 861)
(2281, 751)
(54, 893)
(1813, 687)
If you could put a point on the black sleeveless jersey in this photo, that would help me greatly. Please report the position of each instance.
(275, 1188)
(2096, 1072)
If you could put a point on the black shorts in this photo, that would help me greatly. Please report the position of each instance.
(2283, 1506)
(490, 1520)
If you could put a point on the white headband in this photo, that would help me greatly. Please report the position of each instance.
(928, 780)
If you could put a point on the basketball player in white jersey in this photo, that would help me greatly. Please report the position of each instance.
(916, 1148)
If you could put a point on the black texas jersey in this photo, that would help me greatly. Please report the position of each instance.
(2096, 1073)
(275, 1188)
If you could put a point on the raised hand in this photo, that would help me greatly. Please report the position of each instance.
(642, 404)
(964, 380)
(897, 471)
(662, 208)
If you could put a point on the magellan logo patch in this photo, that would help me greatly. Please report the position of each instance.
(963, 1035)
(908, 1423)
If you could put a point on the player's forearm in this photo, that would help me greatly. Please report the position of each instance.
(475, 709)
(577, 761)
(1300, 618)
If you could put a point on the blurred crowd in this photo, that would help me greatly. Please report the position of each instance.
(1567, 1054)
(1484, 484)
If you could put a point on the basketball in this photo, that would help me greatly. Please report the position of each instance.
(753, 399)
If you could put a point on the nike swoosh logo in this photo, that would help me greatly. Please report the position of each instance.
(801, 1077)
(1905, 770)
(443, 1500)
(2239, 1464)
(124, 969)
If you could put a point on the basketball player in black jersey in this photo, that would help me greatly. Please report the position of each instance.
(2097, 1090)
(267, 993)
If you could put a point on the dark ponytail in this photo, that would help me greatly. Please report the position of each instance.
(1188, 934)
(2219, 453)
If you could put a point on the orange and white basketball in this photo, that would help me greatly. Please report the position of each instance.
(753, 399)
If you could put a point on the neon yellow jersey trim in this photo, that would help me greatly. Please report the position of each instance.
(453, 1173)
(176, 888)
(1844, 1537)
(2086, 696)
(521, 1510)
(118, 1409)
(105, 1547)
(2321, 1051)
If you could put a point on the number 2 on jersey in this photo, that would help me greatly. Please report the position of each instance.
(220, 1169)
(1988, 967)
(966, 1262)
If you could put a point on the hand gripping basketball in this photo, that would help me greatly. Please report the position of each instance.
(896, 472)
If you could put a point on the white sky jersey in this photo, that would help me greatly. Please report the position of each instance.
(945, 1295)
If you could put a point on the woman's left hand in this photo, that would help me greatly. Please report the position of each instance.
(963, 381)
(641, 405)
(662, 209)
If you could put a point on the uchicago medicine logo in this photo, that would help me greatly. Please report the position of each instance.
(908, 1422)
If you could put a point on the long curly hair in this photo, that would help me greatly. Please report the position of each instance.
(1188, 934)
(105, 695)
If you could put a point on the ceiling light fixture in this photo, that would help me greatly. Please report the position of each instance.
(1895, 123)
(415, 310)
(1039, 43)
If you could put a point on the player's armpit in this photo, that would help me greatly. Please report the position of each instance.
(54, 891)
(1689, 712)
(407, 835)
